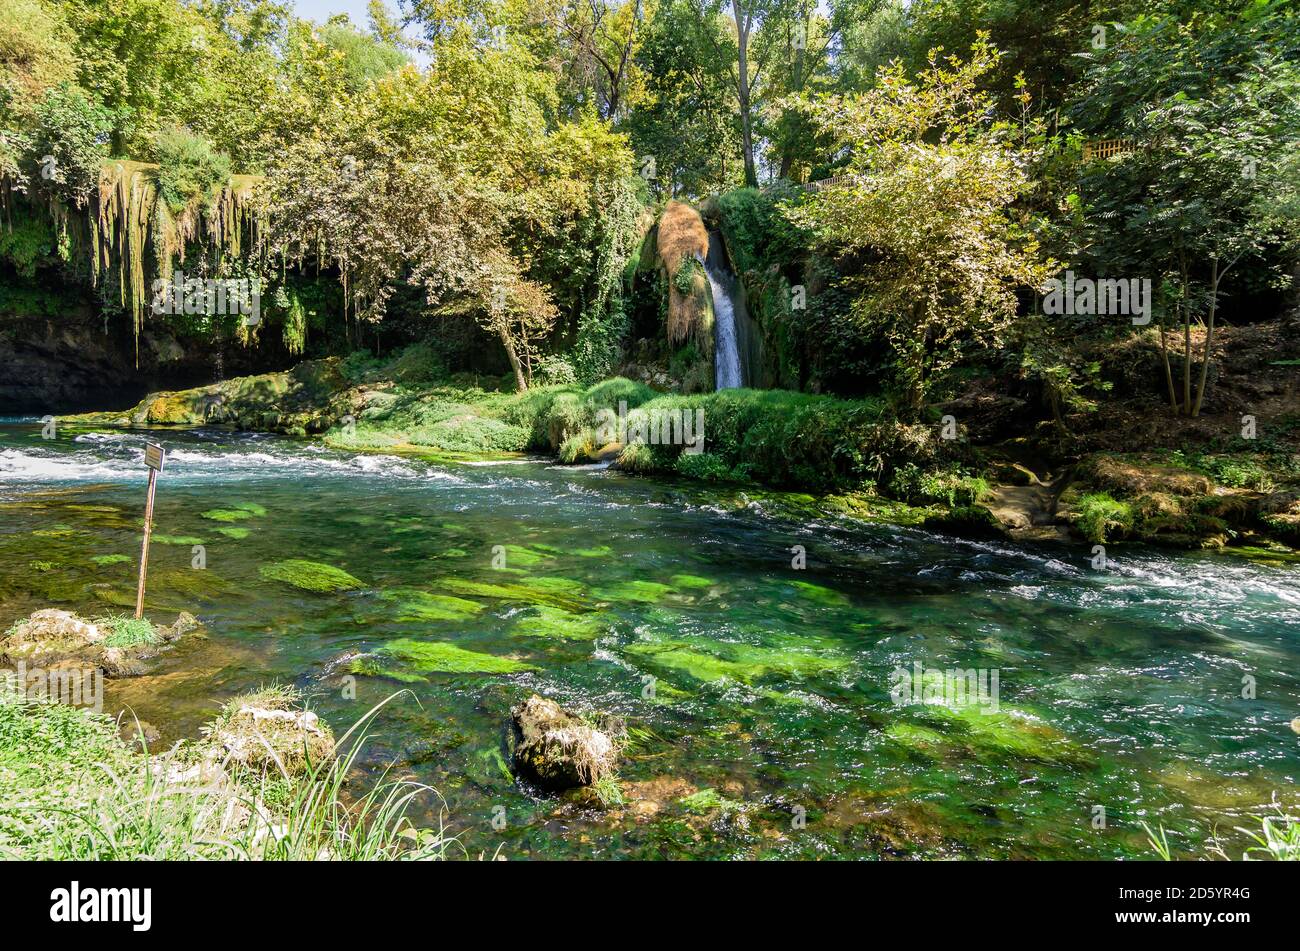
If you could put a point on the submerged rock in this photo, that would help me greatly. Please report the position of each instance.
(138, 734)
(558, 750)
(116, 645)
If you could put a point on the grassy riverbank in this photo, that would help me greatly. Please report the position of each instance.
(72, 788)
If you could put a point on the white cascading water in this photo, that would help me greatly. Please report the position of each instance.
(725, 347)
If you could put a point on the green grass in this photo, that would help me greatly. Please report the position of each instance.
(127, 631)
(1277, 838)
(71, 790)
(1099, 516)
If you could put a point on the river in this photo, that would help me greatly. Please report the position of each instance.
(758, 693)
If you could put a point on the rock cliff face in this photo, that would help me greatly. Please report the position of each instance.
(67, 363)
(53, 365)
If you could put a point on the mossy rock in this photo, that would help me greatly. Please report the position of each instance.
(557, 592)
(692, 581)
(104, 561)
(645, 592)
(118, 645)
(966, 521)
(268, 732)
(517, 556)
(745, 663)
(187, 541)
(226, 515)
(310, 575)
(1006, 732)
(826, 597)
(557, 750)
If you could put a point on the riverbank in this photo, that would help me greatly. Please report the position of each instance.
(77, 784)
(1201, 489)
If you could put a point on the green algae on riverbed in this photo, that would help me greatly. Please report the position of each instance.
(310, 575)
(406, 659)
(741, 681)
(408, 604)
(546, 621)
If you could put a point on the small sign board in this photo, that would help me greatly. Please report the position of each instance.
(154, 456)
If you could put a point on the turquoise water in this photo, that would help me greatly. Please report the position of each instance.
(758, 694)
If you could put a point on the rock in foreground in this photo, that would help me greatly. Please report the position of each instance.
(267, 731)
(557, 750)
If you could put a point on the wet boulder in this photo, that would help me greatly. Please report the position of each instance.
(558, 750)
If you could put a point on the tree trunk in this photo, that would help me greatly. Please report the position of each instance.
(742, 92)
(504, 332)
(1209, 334)
(796, 85)
(1187, 342)
(1169, 373)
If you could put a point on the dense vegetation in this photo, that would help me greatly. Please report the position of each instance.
(930, 208)
(499, 162)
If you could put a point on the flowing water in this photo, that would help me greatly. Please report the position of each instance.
(758, 694)
(726, 348)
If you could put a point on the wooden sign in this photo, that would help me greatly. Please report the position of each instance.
(154, 455)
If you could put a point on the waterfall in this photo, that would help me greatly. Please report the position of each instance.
(726, 350)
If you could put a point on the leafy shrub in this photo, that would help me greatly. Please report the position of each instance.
(554, 370)
(576, 448)
(71, 142)
(705, 466)
(189, 168)
(26, 244)
(1098, 515)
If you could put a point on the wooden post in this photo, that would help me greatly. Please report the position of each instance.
(153, 458)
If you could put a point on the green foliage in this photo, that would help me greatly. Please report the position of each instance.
(128, 631)
(114, 804)
(70, 143)
(1211, 192)
(1101, 518)
(910, 483)
(364, 58)
(795, 440)
(928, 150)
(26, 245)
(189, 169)
(706, 467)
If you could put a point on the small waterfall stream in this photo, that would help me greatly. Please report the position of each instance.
(726, 348)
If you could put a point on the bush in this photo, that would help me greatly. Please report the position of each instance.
(71, 143)
(706, 467)
(554, 370)
(1098, 515)
(189, 168)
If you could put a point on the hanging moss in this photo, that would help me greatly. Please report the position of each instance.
(129, 227)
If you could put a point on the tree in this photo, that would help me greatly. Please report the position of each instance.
(602, 39)
(1203, 194)
(930, 206)
(684, 129)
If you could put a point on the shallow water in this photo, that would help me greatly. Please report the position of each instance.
(739, 674)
